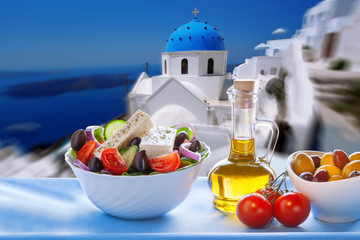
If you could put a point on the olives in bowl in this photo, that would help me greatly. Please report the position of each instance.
(331, 201)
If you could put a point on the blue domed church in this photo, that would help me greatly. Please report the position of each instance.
(192, 86)
(195, 49)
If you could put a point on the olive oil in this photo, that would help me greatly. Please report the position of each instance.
(238, 175)
(243, 171)
(242, 150)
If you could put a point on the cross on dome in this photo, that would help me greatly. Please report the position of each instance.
(195, 11)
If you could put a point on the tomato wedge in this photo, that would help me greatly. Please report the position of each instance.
(86, 152)
(165, 163)
(113, 161)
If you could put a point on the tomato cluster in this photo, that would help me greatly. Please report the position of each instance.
(257, 209)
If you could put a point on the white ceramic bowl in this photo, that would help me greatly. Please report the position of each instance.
(336, 201)
(136, 197)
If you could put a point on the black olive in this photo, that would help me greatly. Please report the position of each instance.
(180, 138)
(78, 140)
(95, 164)
(141, 162)
(195, 146)
(135, 141)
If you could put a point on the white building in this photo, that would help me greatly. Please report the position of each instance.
(269, 64)
(192, 86)
(348, 46)
(330, 29)
(193, 73)
(322, 24)
(276, 47)
(255, 66)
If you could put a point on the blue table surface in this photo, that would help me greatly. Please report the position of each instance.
(58, 208)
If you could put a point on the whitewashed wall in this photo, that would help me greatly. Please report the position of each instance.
(197, 62)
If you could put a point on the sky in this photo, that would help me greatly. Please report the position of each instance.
(60, 34)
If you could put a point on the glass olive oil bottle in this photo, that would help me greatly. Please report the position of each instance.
(243, 172)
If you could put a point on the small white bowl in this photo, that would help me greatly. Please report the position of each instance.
(136, 197)
(335, 201)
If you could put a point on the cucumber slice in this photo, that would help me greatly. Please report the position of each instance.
(99, 134)
(129, 155)
(192, 161)
(123, 150)
(112, 127)
(185, 163)
(73, 153)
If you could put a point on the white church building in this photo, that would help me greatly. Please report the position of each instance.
(192, 86)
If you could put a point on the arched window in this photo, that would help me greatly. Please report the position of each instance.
(210, 66)
(184, 66)
(165, 67)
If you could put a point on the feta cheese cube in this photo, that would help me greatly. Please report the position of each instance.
(158, 141)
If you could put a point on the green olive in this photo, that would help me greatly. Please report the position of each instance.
(303, 163)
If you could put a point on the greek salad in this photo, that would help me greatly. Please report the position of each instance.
(137, 147)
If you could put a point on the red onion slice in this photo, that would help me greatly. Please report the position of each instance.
(106, 171)
(187, 125)
(89, 133)
(184, 150)
(81, 165)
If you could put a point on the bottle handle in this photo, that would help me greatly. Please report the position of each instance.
(274, 130)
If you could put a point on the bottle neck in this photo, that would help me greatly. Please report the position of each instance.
(243, 119)
(243, 127)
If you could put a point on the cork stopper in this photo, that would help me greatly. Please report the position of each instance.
(247, 87)
(244, 85)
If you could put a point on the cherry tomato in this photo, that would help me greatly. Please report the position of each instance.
(269, 193)
(86, 152)
(292, 209)
(112, 160)
(165, 163)
(254, 210)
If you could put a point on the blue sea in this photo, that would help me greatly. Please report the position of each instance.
(39, 108)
